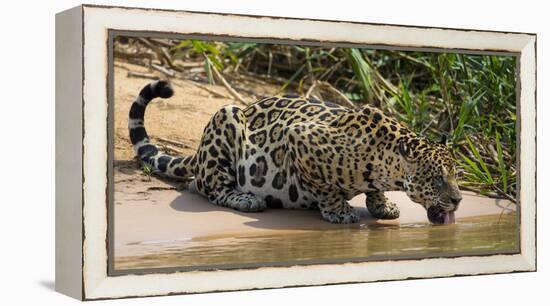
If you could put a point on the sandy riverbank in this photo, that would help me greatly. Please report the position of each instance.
(150, 212)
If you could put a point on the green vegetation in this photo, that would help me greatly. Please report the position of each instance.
(469, 98)
(147, 170)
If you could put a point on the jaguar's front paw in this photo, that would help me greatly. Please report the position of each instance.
(341, 216)
(384, 210)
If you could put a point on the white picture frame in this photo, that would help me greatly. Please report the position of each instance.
(82, 175)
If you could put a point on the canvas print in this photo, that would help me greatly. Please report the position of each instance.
(230, 153)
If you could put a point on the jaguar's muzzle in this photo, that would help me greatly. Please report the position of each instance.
(438, 215)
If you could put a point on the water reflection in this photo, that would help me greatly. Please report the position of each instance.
(477, 234)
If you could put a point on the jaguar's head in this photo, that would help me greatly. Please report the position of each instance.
(430, 177)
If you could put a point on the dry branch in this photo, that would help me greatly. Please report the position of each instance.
(136, 74)
(164, 42)
(127, 55)
(184, 65)
(170, 149)
(213, 91)
(167, 71)
(175, 142)
(162, 54)
(238, 79)
(227, 86)
(494, 195)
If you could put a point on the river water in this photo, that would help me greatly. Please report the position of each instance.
(474, 235)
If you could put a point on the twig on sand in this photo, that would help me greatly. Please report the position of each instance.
(213, 91)
(249, 92)
(167, 71)
(128, 55)
(494, 195)
(161, 188)
(135, 58)
(226, 84)
(170, 149)
(162, 54)
(175, 142)
(185, 65)
(136, 74)
(504, 194)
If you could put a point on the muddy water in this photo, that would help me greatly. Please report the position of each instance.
(485, 234)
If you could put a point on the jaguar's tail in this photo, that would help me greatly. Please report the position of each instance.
(148, 153)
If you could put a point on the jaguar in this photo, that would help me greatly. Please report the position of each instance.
(288, 151)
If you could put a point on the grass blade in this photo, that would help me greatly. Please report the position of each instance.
(474, 150)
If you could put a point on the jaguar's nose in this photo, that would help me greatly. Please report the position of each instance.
(456, 199)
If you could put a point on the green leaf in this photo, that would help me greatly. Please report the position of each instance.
(208, 71)
(501, 165)
(362, 71)
(181, 45)
(471, 167)
(214, 60)
(480, 161)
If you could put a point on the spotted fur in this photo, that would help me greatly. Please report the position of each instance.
(292, 152)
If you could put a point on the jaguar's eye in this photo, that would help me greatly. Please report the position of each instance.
(438, 180)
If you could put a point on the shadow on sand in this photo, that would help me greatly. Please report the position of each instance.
(272, 218)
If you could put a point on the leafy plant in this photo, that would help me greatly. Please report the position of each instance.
(147, 170)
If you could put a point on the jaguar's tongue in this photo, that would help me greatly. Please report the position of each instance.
(449, 217)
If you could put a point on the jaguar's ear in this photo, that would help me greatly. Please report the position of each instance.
(405, 150)
(443, 140)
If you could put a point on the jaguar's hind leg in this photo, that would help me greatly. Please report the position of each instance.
(222, 144)
(380, 207)
(238, 200)
(230, 197)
